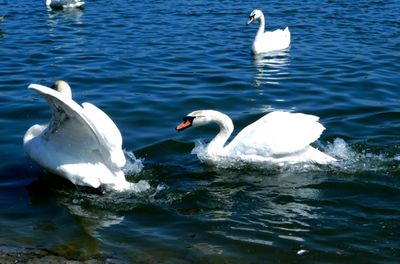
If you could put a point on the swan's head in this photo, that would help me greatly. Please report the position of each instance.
(255, 14)
(63, 88)
(196, 118)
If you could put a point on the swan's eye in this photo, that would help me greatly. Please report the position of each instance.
(188, 118)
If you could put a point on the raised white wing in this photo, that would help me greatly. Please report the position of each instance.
(87, 127)
(106, 132)
(277, 134)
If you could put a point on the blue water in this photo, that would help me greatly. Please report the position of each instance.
(147, 64)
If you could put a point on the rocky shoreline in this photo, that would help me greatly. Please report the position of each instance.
(36, 256)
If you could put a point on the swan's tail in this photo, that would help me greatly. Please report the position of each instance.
(287, 34)
(319, 157)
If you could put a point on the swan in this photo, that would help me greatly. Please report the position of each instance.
(277, 138)
(80, 143)
(269, 40)
(61, 4)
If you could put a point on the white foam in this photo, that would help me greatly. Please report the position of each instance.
(140, 186)
(340, 149)
(301, 251)
(351, 160)
(238, 161)
(347, 158)
(133, 165)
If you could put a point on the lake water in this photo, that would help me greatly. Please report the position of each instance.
(149, 63)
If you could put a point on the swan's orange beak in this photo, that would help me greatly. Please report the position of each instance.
(187, 122)
(183, 125)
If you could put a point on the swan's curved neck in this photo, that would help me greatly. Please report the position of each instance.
(225, 130)
(261, 26)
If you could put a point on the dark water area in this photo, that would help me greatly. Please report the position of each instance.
(149, 63)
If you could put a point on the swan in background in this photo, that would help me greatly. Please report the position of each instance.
(81, 143)
(61, 4)
(268, 41)
(278, 138)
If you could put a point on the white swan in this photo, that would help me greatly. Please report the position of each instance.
(278, 138)
(268, 41)
(81, 144)
(61, 4)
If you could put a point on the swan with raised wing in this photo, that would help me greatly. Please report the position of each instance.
(278, 137)
(80, 143)
(266, 41)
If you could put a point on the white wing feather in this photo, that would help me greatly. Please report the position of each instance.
(64, 3)
(277, 134)
(96, 130)
(107, 134)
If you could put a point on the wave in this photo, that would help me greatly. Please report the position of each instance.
(135, 166)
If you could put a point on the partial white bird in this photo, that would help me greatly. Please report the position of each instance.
(63, 4)
(269, 40)
(277, 138)
(81, 143)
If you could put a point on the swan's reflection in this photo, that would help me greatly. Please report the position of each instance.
(69, 221)
(85, 207)
(1, 20)
(59, 22)
(72, 15)
(272, 67)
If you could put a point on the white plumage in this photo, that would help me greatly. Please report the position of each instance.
(61, 4)
(269, 40)
(278, 137)
(81, 144)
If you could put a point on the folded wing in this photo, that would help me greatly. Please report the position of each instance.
(277, 134)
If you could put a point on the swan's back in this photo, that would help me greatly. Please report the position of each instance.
(60, 4)
(271, 40)
(277, 134)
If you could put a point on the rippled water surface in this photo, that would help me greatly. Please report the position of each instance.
(147, 64)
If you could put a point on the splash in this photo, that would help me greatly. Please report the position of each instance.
(133, 165)
(349, 159)
(360, 158)
(340, 150)
(248, 161)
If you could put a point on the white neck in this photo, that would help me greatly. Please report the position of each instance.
(225, 130)
(261, 27)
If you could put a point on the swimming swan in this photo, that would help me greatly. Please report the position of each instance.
(278, 138)
(61, 4)
(268, 41)
(81, 143)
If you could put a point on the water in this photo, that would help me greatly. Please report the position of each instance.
(147, 64)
